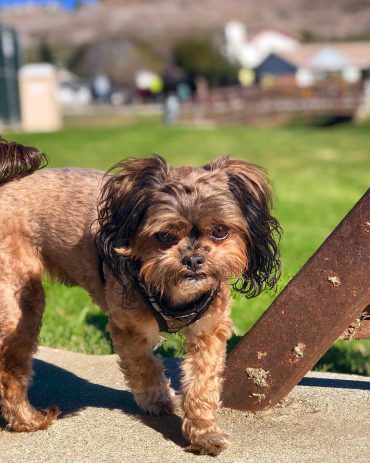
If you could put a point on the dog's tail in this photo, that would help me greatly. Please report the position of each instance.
(17, 161)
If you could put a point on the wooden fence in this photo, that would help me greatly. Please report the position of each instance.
(238, 104)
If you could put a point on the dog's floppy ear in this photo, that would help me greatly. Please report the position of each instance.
(122, 206)
(250, 187)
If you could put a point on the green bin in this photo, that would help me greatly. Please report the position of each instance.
(10, 61)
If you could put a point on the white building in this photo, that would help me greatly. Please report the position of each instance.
(250, 52)
(349, 60)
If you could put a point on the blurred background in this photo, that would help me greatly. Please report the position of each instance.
(283, 83)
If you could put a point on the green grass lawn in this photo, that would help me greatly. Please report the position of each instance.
(317, 174)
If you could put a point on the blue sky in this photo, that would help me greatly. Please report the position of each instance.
(66, 4)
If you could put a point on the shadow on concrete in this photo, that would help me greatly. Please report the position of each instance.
(53, 385)
(336, 383)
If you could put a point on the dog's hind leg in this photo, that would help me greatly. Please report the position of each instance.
(21, 308)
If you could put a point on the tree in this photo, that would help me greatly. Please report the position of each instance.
(199, 58)
(46, 54)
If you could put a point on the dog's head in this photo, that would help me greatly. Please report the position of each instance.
(186, 230)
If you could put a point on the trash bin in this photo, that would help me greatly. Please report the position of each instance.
(38, 88)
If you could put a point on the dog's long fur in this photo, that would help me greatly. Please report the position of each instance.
(143, 220)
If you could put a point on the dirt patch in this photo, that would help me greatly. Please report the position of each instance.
(258, 376)
(334, 280)
(258, 396)
(298, 350)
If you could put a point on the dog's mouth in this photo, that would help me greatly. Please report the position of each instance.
(195, 277)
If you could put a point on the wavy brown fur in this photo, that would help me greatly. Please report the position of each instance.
(250, 187)
(148, 214)
(123, 203)
(17, 161)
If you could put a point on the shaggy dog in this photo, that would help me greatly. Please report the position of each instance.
(155, 247)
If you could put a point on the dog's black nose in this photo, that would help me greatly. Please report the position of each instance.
(193, 262)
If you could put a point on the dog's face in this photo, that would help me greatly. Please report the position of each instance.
(186, 230)
(193, 236)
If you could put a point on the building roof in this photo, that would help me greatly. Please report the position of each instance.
(275, 64)
(329, 55)
(277, 31)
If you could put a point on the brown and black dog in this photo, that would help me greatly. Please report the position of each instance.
(155, 247)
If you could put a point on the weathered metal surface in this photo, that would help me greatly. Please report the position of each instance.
(331, 290)
(360, 328)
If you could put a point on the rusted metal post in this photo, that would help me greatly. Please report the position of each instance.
(322, 300)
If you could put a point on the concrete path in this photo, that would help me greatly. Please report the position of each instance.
(325, 419)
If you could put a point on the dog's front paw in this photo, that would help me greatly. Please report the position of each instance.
(211, 443)
(158, 402)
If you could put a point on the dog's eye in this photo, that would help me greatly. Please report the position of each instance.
(166, 238)
(219, 233)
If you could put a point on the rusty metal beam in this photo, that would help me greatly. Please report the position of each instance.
(360, 328)
(322, 300)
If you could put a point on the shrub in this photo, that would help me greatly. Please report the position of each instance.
(200, 58)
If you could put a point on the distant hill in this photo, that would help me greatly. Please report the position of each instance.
(153, 25)
(165, 20)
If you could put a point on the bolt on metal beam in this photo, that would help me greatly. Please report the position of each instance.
(315, 308)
